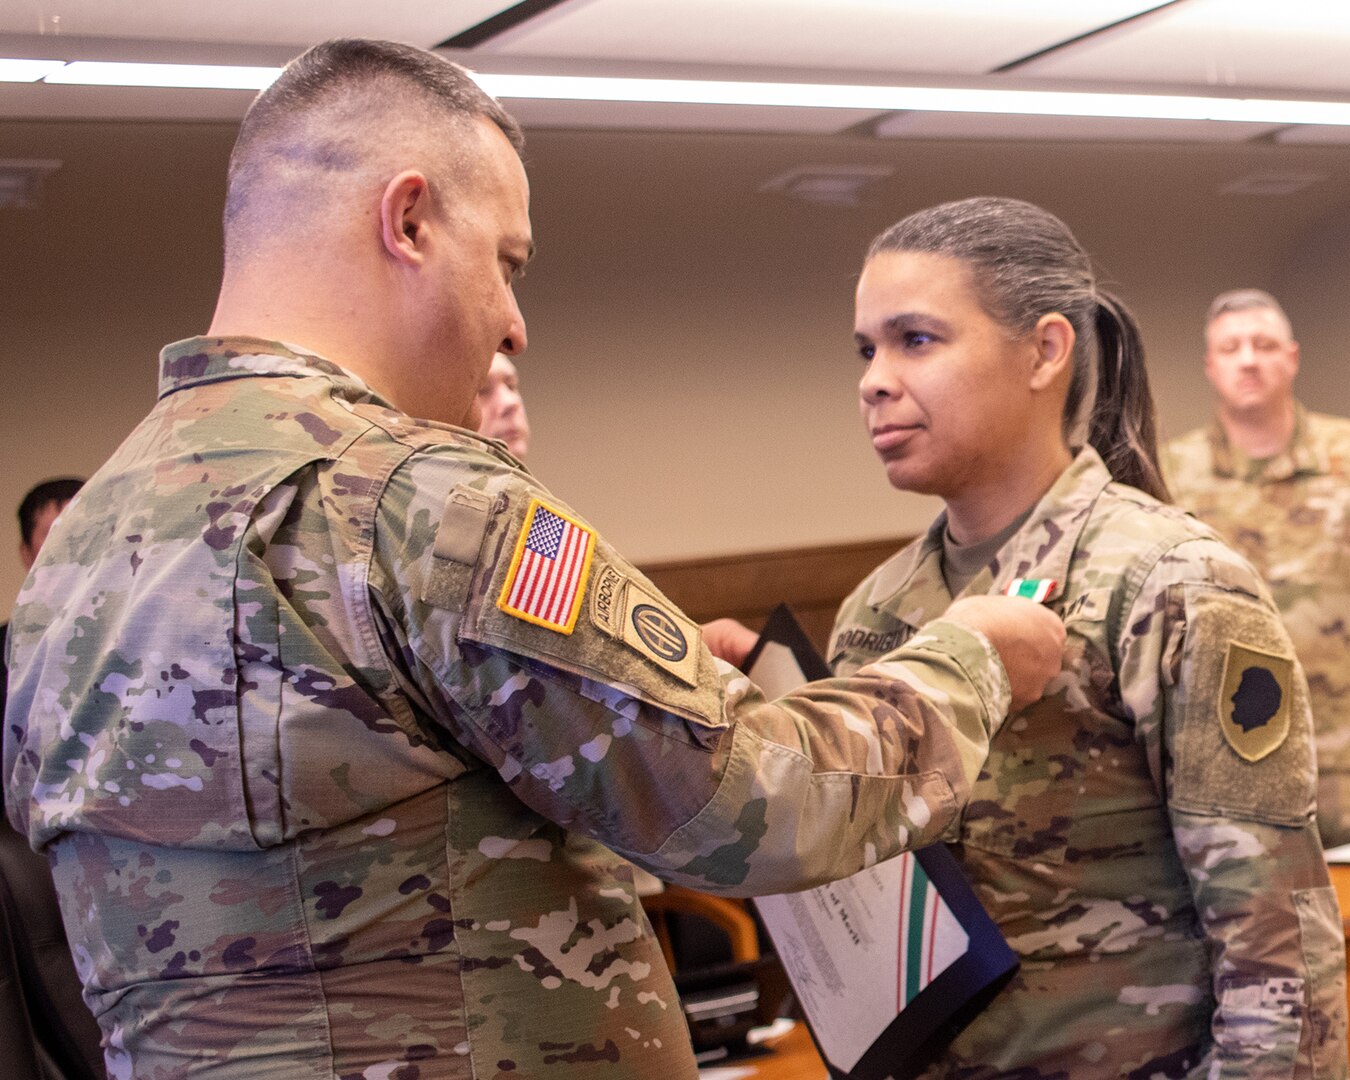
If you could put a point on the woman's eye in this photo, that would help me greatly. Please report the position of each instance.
(917, 339)
(867, 351)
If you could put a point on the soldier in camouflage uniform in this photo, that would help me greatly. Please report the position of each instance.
(323, 712)
(1143, 835)
(1274, 480)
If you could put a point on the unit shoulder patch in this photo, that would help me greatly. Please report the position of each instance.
(1253, 703)
(623, 608)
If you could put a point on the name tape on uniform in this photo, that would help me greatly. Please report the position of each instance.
(547, 578)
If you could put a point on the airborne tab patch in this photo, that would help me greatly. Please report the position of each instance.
(547, 579)
(1253, 702)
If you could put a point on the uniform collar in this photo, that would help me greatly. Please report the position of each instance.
(1042, 548)
(201, 360)
(1302, 455)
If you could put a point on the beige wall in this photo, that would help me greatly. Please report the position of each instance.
(690, 378)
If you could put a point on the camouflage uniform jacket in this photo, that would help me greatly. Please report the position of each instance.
(1167, 896)
(319, 804)
(1290, 516)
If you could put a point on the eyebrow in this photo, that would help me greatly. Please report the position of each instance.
(906, 320)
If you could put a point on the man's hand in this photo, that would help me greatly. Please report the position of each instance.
(1029, 639)
(729, 640)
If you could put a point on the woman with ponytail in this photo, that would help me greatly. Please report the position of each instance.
(1143, 835)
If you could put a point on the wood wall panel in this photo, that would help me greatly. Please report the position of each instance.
(813, 581)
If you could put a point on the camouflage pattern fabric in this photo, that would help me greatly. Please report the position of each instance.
(319, 806)
(1166, 895)
(1290, 516)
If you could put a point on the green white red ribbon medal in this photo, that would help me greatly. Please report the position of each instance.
(1034, 589)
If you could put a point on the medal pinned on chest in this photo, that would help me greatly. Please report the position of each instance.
(1037, 590)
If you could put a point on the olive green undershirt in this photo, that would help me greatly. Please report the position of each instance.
(962, 562)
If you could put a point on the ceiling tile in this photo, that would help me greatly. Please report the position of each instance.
(1314, 134)
(248, 21)
(1293, 44)
(949, 36)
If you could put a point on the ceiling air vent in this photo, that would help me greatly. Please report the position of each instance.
(21, 180)
(1272, 183)
(833, 185)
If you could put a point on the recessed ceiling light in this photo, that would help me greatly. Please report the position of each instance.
(833, 185)
(1271, 183)
(21, 180)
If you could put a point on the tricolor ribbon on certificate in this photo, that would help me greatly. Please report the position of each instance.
(890, 964)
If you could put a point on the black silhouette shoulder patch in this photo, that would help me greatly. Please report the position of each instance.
(1253, 703)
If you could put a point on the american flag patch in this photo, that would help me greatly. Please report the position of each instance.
(1036, 589)
(548, 572)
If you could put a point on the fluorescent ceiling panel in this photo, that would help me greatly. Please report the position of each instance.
(951, 36)
(26, 70)
(643, 116)
(186, 76)
(921, 98)
(1290, 44)
(1078, 128)
(248, 21)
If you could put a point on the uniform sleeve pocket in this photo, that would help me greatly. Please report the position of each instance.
(1257, 1028)
(1323, 943)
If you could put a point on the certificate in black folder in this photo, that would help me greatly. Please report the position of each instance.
(890, 964)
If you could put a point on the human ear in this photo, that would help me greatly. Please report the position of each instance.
(1054, 339)
(405, 207)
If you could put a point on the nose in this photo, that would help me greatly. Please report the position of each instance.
(515, 341)
(878, 381)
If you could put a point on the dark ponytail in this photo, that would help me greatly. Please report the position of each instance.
(1121, 425)
(1025, 263)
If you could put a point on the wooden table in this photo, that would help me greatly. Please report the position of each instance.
(794, 1057)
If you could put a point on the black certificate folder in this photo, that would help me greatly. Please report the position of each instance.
(890, 964)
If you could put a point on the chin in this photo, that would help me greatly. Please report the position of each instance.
(907, 476)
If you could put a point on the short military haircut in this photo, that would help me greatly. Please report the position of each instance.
(308, 121)
(55, 492)
(1245, 300)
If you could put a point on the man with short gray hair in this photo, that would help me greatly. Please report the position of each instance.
(331, 718)
(1274, 479)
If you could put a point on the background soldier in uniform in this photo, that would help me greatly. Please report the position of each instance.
(503, 407)
(323, 708)
(1274, 479)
